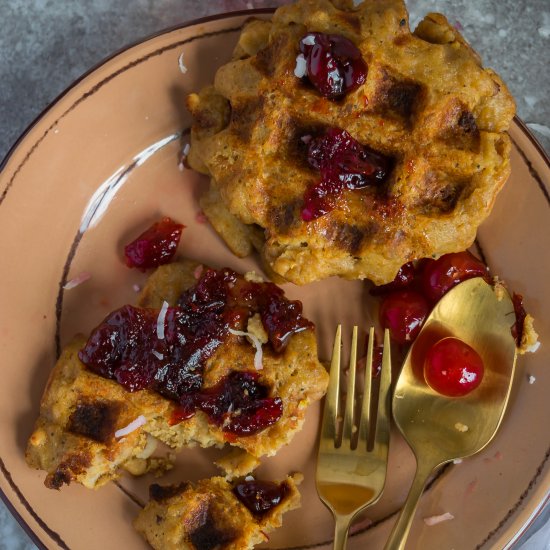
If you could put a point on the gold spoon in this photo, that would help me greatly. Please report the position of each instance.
(440, 429)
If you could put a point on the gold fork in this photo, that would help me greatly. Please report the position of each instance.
(351, 466)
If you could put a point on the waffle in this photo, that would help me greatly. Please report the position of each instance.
(427, 105)
(75, 435)
(207, 515)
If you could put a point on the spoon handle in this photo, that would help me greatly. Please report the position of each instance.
(400, 530)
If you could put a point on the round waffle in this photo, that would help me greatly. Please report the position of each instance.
(427, 105)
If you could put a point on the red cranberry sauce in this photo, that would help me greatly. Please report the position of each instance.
(155, 246)
(166, 350)
(517, 328)
(344, 163)
(239, 404)
(403, 312)
(407, 299)
(447, 271)
(260, 496)
(333, 64)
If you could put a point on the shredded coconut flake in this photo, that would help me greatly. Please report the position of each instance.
(531, 379)
(434, 520)
(534, 347)
(136, 288)
(182, 67)
(161, 319)
(78, 280)
(133, 426)
(258, 356)
(157, 354)
(301, 66)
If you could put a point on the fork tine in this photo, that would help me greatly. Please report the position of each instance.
(365, 407)
(347, 430)
(382, 434)
(330, 411)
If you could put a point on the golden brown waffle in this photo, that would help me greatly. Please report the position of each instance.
(207, 515)
(75, 435)
(427, 103)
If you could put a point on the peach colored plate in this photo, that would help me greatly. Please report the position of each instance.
(99, 166)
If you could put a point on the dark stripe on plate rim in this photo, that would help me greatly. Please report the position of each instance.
(533, 172)
(129, 494)
(95, 89)
(77, 239)
(99, 85)
(55, 536)
(522, 497)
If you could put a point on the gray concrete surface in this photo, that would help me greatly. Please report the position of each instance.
(46, 44)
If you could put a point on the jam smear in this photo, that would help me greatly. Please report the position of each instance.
(519, 310)
(333, 64)
(166, 350)
(260, 496)
(239, 403)
(155, 246)
(344, 163)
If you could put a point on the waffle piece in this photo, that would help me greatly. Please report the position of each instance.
(208, 515)
(75, 435)
(427, 105)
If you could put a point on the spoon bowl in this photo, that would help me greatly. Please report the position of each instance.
(440, 429)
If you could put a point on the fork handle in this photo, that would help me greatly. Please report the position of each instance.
(341, 528)
(400, 531)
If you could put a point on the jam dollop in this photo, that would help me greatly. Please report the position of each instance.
(239, 403)
(260, 496)
(333, 64)
(344, 163)
(155, 246)
(165, 350)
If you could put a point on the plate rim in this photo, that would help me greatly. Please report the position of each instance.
(539, 150)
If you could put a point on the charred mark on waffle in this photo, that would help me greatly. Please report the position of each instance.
(350, 237)
(95, 420)
(439, 195)
(399, 97)
(207, 535)
(67, 470)
(467, 122)
(164, 492)
(284, 216)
